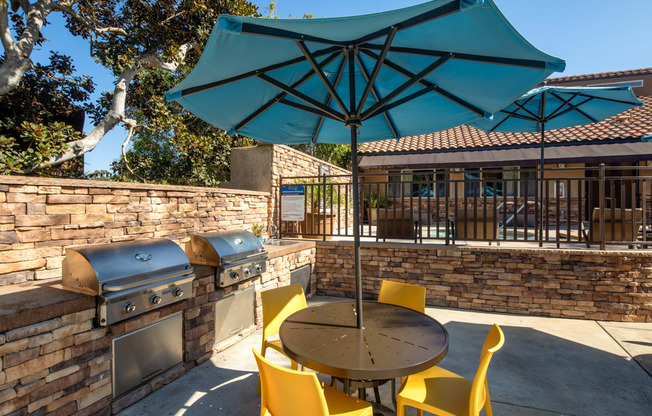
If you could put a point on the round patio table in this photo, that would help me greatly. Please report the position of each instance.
(395, 341)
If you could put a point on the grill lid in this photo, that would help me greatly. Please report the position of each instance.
(120, 266)
(224, 247)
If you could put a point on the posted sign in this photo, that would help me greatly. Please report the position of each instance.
(292, 203)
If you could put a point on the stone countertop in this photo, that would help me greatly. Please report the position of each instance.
(32, 302)
(278, 251)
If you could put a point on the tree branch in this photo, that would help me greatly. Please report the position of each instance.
(153, 60)
(132, 124)
(115, 115)
(17, 55)
(66, 8)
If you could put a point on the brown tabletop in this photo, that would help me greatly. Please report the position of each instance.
(394, 342)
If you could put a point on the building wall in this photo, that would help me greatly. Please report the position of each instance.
(583, 284)
(40, 217)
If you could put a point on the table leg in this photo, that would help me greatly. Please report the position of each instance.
(394, 393)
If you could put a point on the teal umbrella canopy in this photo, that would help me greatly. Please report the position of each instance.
(553, 107)
(399, 73)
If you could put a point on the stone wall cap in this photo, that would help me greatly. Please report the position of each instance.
(38, 181)
(497, 249)
(278, 251)
(32, 302)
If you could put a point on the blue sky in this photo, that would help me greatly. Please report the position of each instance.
(591, 35)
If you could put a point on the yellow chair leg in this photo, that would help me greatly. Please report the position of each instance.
(487, 402)
(419, 412)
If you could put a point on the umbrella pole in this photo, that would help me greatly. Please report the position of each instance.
(356, 225)
(543, 127)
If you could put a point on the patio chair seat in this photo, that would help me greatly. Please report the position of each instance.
(296, 393)
(278, 304)
(445, 393)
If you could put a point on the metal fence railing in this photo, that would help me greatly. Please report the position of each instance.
(594, 206)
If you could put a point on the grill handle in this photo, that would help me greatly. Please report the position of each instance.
(260, 253)
(115, 288)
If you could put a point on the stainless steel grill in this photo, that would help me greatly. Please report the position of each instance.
(129, 278)
(238, 255)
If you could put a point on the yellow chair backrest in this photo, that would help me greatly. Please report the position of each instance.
(403, 294)
(278, 304)
(494, 341)
(288, 392)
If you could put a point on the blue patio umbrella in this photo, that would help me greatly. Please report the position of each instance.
(551, 107)
(399, 73)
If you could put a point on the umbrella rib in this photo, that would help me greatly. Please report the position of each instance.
(564, 103)
(303, 97)
(378, 107)
(282, 95)
(390, 123)
(499, 124)
(317, 70)
(374, 74)
(271, 32)
(524, 63)
(340, 71)
(425, 83)
(443, 11)
(521, 106)
(200, 88)
(576, 109)
(404, 100)
(309, 109)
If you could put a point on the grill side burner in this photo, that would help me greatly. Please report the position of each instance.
(237, 255)
(129, 278)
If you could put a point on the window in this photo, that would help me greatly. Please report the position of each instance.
(472, 183)
(528, 181)
(395, 179)
(494, 183)
(422, 184)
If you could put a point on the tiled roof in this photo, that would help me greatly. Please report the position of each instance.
(628, 126)
(603, 75)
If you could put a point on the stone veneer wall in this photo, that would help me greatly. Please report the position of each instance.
(613, 286)
(40, 217)
(62, 366)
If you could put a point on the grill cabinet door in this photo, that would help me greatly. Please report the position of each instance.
(142, 354)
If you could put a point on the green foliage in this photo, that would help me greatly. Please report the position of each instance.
(171, 145)
(336, 154)
(257, 229)
(37, 117)
(320, 195)
(374, 200)
(37, 143)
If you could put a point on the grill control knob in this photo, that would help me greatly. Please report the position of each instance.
(246, 271)
(258, 268)
(155, 300)
(129, 307)
(177, 292)
(235, 275)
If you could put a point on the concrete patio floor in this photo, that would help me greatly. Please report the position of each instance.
(548, 366)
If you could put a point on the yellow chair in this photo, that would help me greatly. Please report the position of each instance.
(445, 393)
(400, 294)
(403, 294)
(278, 304)
(296, 393)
